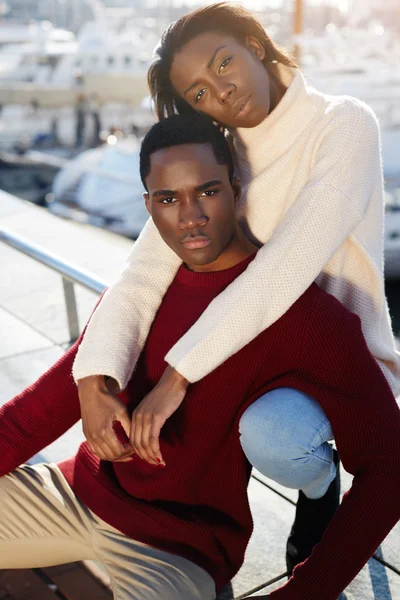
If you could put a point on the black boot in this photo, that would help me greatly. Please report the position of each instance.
(226, 593)
(312, 518)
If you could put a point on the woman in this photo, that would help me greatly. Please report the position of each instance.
(313, 199)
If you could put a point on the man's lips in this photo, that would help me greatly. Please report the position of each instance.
(240, 105)
(197, 241)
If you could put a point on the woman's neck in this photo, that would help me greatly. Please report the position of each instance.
(279, 83)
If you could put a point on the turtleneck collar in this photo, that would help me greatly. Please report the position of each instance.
(212, 280)
(294, 111)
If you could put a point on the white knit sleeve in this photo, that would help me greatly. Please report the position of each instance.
(119, 326)
(347, 173)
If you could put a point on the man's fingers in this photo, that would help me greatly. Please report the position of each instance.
(125, 420)
(98, 451)
(118, 441)
(126, 457)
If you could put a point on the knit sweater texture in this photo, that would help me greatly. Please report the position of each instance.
(313, 196)
(197, 505)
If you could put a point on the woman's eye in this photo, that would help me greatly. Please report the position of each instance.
(224, 64)
(199, 95)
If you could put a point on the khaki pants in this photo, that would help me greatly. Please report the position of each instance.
(42, 523)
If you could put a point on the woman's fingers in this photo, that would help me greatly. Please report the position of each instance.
(136, 433)
(145, 433)
(150, 445)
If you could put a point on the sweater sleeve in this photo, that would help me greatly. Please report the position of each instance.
(330, 206)
(39, 415)
(119, 327)
(332, 203)
(351, 388)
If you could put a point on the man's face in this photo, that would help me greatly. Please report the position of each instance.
(192, 203)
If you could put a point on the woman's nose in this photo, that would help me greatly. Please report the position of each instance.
(225, 93)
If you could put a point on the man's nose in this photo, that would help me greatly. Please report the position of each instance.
(192, 216)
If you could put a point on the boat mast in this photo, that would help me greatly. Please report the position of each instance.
(298, 26)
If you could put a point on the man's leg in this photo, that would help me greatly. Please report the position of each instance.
(41, 521)
(284, 435)
(141, 572)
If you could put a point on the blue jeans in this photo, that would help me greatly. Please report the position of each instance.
(284, 435)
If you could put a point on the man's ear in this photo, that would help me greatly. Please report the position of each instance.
(147, 201)
(237, 189)
(255, 47)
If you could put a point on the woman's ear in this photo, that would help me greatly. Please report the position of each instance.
(255, 47)
(237, 189)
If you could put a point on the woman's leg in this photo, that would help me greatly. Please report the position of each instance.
(141, 572)
(41, 521)
(284, 435)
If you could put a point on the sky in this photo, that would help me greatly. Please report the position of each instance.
(257, 4)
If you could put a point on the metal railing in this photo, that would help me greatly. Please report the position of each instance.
(70, 274)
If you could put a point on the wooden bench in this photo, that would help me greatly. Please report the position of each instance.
(74, 581)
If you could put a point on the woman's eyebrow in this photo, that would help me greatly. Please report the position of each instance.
(209, 65)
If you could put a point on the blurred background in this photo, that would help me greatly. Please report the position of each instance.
(74, 100)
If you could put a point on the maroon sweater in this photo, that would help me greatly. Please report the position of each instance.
(197, 506)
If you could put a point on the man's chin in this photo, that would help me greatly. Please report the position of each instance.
(199, 257)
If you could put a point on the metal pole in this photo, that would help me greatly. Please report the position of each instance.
(72, 311)
(298, 26)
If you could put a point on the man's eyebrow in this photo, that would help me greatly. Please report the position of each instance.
(209, 65)
(208, 184)
(163, 193)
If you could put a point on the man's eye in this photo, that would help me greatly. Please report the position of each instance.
(168, 201)
(210, 192)
(199, 95)
(224, 64)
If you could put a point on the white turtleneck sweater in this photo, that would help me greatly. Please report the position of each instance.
(313, 197)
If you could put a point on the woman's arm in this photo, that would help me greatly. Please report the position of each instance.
(119, 327)
(346, 175)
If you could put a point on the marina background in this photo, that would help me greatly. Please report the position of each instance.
(74, 100)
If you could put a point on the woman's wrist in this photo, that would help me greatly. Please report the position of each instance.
(174, 378)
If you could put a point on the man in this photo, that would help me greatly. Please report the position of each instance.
(178, 528)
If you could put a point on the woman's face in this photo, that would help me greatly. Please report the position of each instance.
(223, 79)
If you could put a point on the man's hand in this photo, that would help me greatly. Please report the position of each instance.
(151, 414)
(101, 413)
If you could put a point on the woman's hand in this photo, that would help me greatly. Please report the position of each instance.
(153, 411)
(101, 411)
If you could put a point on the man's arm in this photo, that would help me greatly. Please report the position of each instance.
(341, 373)
(42, 412)
(39, 414)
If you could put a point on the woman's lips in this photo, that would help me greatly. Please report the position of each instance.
(241, 108)
(192, 243)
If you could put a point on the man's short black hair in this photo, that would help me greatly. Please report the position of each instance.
(177, 130)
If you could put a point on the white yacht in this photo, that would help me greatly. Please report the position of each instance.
(30, 53)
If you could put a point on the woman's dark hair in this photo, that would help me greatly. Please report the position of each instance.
(177, 130)
(224, 18)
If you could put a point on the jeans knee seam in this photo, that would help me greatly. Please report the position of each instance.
(314, 444)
